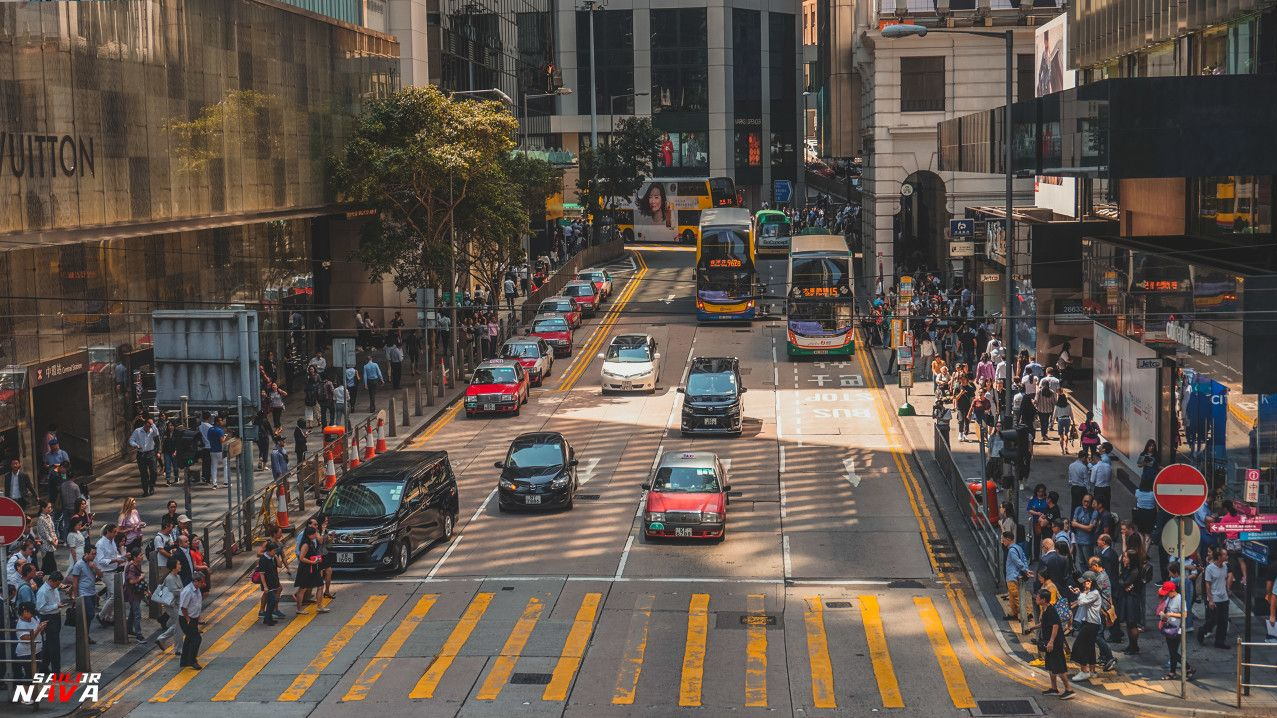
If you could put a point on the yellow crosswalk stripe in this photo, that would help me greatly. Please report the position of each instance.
(756, 653)
(186, 675)
(822, 670)
(955, 680)
(429, 680)
(311, 672)
(689, 691)
(231, 690)
(884, 672)
(627, 677)
(510, 652)
(573, 649)
(364, 683)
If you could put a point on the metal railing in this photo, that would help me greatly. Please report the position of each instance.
(978, 507)
(1244, 664)
(566, 272)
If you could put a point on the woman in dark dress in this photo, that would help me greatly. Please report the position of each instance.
(326, 561)
(309, 575)
(1051, 642)
(1130, 600)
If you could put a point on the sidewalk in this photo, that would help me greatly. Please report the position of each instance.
(1136, 677)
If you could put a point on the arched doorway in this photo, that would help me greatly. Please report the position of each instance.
(919, 225)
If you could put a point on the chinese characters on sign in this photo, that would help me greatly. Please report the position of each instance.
(1158, 285)
(1179, 332)
(820, 291)
(724, 263)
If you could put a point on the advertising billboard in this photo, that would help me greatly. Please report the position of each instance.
(1050, 62)
(1125, 403)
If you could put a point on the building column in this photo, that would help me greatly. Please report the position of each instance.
(718, 36)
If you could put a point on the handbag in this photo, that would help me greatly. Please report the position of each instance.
(256, 577)
(163, 595)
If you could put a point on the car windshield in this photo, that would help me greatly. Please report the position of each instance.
(530, 455)
(579, 290)
(520, 351)
(549, 325)
(712, 384)
(369, 500)
(629, 353)
(591, 276)
(494, 375)
(556, 307)
(686, 479)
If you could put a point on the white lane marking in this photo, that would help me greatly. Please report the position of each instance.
(457, 541)
(782, 459)
(669, 299)
(590, 465)
(784, 544)
(852, 477)
(625, 557)
(776, 376)
(727, 467)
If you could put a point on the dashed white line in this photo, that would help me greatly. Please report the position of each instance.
(457, 541)
(625, 557)
(784, 545)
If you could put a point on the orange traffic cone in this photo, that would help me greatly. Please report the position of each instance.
(281, 509)
(370, 451)
(330, 471)
(381, 435)
(353, 450)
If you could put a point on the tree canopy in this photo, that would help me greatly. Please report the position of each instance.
(623, 164)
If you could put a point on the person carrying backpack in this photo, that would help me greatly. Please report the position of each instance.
(1089, 432)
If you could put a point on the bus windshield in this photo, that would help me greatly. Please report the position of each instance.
(723, 248)
(814, 276)
(770, 230)
(817, 318)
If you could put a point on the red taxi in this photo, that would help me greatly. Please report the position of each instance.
(534, 355)
(601, 280)
(687, 497)
(556, 332)
(566, 306)
(498, 386)
(583, 292)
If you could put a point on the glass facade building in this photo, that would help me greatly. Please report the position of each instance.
(159, 154)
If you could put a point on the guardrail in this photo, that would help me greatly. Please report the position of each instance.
(979, 506)
(1244, 664)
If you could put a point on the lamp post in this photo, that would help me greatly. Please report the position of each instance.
(892, 32)
(526, 97)
(611, 109)
(593, 6)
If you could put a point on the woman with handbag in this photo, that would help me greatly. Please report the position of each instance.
(166, 598)
(1064, 422)
(1170, 614)
(1090, 619)
(46, 534)
(131, 524)
(1089, 432)
(308, 571)
(1130, 600)
(135, 590)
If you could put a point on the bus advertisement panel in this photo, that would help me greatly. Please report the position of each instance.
(726, 275)
(772, 230)
(669, 210)
(821, 306)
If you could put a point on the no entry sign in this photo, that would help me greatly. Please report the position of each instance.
(1179, 489)
(12, 521)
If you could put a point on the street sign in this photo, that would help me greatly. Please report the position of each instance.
(959, 228)
(344, 352)
(1252, 486)
(962, 249)
(13, 522)
(1257, 535)
(906, 379)
(1152, 363)
(1170, 536)
(1256, 551)
(906, 289)
(990, 277)
(1179, 489)
(782, 191)
(906, 190)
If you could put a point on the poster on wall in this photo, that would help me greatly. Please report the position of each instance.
(1050, 60)
(656, 208)
(1125, 403)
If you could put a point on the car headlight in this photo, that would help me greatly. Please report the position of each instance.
(506, 484)
(657, 516)
(560, 482)
(471, 401)
(711, 517)
(508, 397)
(687, 410)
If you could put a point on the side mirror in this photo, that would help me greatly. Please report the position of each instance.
(601, 355)
(498, 465)
(657, 355)
(727, 487)
(681, 390)
(743, 390)
(647, 487)
(573, 462)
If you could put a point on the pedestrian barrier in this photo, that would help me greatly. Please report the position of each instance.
(1245, 663)
(982, 522)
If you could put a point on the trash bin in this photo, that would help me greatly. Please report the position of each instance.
(333, 436)
(986, 494)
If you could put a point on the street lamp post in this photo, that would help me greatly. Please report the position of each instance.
(526, 97)
(611, 110)
(592, 6)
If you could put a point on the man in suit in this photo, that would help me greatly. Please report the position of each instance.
(1054, 566)
(19, 486)
(182, 554)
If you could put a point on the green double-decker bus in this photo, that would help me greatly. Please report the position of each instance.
(772, 231)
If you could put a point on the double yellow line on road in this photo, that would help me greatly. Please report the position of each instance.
(586, 353)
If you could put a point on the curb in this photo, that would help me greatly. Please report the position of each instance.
(990, 620)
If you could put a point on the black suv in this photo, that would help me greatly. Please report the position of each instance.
(386, 510)
(712, 401)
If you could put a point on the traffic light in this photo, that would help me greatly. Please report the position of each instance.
(188, 447)
(1011, 445)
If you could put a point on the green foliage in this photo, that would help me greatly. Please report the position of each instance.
(237, 118)
(535, 179)
(622, 164)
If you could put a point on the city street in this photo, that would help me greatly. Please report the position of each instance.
(835, 591)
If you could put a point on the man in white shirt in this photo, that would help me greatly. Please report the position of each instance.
(109, 561)
(145, 440)
(12, 570)
(319, 362)
(1218, 582)
(190, 603)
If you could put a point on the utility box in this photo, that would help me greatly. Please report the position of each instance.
(209, 356)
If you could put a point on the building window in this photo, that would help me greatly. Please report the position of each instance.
(682, 149)
(1235, 208)
(1025, 78)
(680, 61)
(921, 84)
(614, 48)
(747, 69)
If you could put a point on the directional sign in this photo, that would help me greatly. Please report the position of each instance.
(1252, 486)
(1256, 551)
(13, 522)
(959, 228)
(962, 249)
(1179, 489)
(1257, 535)
(782, 191)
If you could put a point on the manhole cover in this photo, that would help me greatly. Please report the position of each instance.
(909, 583)
(530, 679)
(1006, 707)
(837, 604)
(588, 497)
(737, 620)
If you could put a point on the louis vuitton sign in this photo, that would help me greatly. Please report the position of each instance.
(24, 154)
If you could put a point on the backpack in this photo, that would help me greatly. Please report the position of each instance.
(1146, 573)
(1063, 611)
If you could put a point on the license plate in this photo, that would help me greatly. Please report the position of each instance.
(345, 558)
(627, 385)
(489, 407)
(531, 499)
(711, 422)
(683, 532)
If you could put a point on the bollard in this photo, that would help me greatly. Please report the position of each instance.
(427, 376)
(82, 662)
(228, 541)
(152, 579)
(390, 417)
(449, 374)
(417, 409)
(403, 416)
(441, 383)
(118, 608)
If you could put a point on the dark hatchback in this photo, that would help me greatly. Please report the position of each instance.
(712, 396)
(384, 512)
(539, 471)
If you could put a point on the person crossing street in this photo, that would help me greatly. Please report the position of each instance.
(191, 604)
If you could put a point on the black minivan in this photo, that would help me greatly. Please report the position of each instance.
(385, 511)
(712, 396)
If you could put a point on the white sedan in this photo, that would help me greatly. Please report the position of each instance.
(631, 363)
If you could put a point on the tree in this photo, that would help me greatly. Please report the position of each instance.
(623, 164)
(535, 180)
(417, 157)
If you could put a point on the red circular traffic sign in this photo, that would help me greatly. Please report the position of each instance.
(1179, 489)
(13, 522)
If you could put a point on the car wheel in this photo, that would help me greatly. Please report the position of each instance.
(447, 527)
(403, 554)
(501, 509)
(571, 502)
